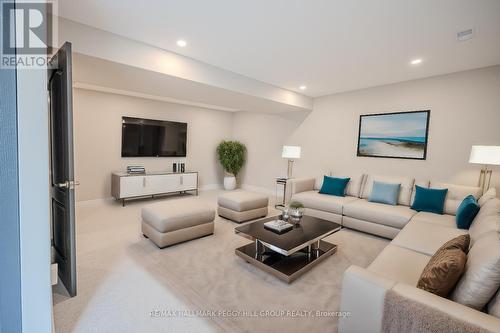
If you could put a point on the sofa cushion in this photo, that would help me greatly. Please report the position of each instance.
(318, 181)
(385, 193)
(429, 200)
(241, 200)
(394, 216)
(494, 305)
(334, 186)
(481, 279)
(490, 194)
(444, 220)
(399, 264)
(425, 237)
(324, 202)
(466, 212)
(354, 186)
(487, 220)
(455, 195)
(461, 242)
(404, 193)
(443, 271)
(483, 227)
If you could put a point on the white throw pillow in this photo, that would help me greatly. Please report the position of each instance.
(494, 305)
(490, 194)
(482, 273)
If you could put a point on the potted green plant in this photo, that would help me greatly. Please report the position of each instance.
(232, 157)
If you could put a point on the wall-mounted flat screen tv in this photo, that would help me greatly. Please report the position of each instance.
(153, 138)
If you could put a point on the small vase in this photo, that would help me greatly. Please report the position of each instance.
(285, 215)
(229, 183)
(296, 214)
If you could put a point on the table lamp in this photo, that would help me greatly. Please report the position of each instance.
(486, 155)
(290, 152)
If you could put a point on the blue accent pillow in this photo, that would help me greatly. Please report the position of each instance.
(429, 200)
(385, 193)
(334, 186)
(466, 212)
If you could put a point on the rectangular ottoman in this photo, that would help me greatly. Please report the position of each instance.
(240, 206)
(176, 221)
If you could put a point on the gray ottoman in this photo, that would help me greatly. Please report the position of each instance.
(176, 221)
(240, 206)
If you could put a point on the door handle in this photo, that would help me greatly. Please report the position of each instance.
(69, 184)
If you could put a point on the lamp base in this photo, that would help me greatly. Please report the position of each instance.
(290, 169)
(485, 178)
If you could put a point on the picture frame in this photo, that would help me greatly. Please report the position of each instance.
(402, 135)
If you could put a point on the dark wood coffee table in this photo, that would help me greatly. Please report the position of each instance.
(291, 254)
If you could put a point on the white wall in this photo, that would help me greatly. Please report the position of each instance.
(264, 136)
(97, 127)
(465, 110)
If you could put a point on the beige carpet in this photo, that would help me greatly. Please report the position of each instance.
(123, 278)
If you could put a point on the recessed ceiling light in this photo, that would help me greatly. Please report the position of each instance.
(302, 87)
(181, 43)
(416, 61)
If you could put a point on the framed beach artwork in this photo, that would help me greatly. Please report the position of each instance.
(394, 135)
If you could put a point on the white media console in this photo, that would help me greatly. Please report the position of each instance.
(126, 186)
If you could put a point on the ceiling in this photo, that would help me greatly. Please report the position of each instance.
(328, 45)
(97, 74)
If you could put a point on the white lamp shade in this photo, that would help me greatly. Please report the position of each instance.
(485, 155)
(291, 152)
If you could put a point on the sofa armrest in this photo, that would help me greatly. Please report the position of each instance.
(362, 298)
(437, 313)
(298, 185)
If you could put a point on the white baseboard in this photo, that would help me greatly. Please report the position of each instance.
(91, 201)
(210, 187)
(258, 189)
(53, 274)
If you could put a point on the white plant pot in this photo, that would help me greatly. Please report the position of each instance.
(229, 183)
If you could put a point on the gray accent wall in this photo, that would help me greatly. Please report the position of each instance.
(465, 111)
(25, 289)
(10, 261)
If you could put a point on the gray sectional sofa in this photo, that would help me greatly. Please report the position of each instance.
(383, 297)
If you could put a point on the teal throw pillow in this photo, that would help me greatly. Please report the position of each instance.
(429, 199)
(466, 212)
(334, 186)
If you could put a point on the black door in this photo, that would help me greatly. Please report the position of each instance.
(62, 173)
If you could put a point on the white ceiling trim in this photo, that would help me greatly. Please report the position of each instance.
(93, 87)
(105, 45)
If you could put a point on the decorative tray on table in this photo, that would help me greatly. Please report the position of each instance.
(278, 226)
